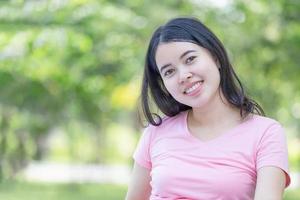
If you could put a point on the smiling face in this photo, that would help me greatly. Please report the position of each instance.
(189, 72)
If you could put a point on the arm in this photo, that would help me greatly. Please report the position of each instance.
(270, 183)
(139, 186)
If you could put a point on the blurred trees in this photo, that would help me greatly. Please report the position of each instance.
(75, 66)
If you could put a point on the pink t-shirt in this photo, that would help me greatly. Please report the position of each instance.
(184, 167)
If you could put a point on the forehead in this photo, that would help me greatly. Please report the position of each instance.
(166, 52)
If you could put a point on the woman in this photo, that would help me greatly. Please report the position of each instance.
(214, 142)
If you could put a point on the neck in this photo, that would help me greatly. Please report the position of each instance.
(216, 114)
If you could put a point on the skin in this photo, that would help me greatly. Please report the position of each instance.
(181, 65)
(139, 187)
(209, 107)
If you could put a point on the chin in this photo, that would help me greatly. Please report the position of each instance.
(196, 103)
(192, 104)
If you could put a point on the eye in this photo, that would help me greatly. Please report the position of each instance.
(190, 59)
(168, 72)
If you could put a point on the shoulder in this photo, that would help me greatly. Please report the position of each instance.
(171, 124)
(267, 129)
(257, 128)
(168, 124)
(263, 122)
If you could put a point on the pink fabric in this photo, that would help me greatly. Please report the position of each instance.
(184, 167)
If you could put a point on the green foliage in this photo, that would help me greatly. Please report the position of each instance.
(75, 66)
(33, 191)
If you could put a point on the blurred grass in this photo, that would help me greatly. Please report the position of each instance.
(292, 194)
(38, 191)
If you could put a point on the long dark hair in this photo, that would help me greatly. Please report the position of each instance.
(153, 89)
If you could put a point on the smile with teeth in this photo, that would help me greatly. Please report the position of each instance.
(194, 87)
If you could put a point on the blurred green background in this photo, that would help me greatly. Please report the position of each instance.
(70, 73)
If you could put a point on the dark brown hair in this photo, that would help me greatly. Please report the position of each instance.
(189, 30)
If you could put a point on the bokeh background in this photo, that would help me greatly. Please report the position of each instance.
(70, 74)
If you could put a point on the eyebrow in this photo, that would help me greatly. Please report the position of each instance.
(182, 55)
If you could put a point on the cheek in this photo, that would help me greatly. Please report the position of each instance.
(171, 87)
(217, 76)
(213, 73)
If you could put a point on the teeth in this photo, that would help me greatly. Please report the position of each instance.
(191, 89)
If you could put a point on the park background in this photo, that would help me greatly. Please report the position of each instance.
(70, 74)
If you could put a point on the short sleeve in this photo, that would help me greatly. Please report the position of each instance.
(142, 152)
(272, 150)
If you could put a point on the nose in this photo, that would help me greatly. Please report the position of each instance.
(184, 75)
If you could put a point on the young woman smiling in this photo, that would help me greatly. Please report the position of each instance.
(213, 141)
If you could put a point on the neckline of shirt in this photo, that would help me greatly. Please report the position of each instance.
(219, 137)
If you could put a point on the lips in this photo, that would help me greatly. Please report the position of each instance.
(193, 88)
